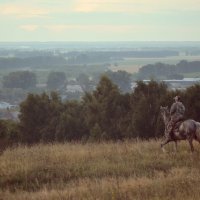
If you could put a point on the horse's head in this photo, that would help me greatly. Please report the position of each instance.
(164, 110)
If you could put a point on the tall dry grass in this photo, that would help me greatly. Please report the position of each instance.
(128, 170)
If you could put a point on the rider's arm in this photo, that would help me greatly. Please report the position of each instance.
(184, 108)
(173, 109)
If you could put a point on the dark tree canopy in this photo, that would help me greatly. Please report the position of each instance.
(103, 114)
(101, 110)
(122, 79)
(56, 80)
(20, 79)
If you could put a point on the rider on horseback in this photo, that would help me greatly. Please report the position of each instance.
(177, 111)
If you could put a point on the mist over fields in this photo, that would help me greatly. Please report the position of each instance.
(83, 63)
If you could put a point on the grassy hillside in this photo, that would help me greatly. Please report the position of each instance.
(128, 170)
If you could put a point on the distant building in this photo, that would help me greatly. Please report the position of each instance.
(74, 88)
(174, 84)
(8, 111)
(5, 105)
(182, 84)
(41, 85)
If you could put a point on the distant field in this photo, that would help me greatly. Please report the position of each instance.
(192, 75)
(128, 170)
(132, 65)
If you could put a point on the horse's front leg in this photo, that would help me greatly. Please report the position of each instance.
(176, 146)
(166, 141)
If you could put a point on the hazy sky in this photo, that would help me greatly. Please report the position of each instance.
(100, 20)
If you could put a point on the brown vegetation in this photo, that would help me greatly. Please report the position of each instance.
(123, 170)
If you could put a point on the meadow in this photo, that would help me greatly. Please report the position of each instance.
(114, 170)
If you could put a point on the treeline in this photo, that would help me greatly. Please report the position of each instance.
(46, 59)
(160, 70)
(103, 114)
(77, 57)
(20, 79)
(16, 85)
(57, 80)
(37, 61)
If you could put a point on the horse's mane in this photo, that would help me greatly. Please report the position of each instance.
(165, 112)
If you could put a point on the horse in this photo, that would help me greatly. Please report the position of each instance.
(187, 130)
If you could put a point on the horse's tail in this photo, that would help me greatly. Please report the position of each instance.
(197, 131)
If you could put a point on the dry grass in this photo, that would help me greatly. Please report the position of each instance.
(128, 170)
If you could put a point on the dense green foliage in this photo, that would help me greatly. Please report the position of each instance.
(103, 114)
(145, 106)
(45, 118)
(102, 111)
(9, 133)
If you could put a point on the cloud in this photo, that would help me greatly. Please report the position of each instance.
(135, 6)
(35, 8)
(57, 28)
(96, 28)
(23, 11)
(29, 27)
(44, 8)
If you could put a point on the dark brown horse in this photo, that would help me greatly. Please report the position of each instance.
(188, 130)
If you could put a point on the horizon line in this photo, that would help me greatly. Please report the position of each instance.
(101, 41)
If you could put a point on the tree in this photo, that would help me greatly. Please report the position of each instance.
(45, 118)
(191, 99)
(3, 130)
(71, 123)
(20, 79)
(145, 104)
(85, 82)
(100, 110)
(56, 80)
(122, 79)
(54, 111)
(39, 117)
(34, 111)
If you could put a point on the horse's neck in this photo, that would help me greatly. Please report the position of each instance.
(166, 118)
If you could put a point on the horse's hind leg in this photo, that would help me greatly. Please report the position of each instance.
(191, 144)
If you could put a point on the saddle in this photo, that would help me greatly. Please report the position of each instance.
(177, 125)
(175, 130)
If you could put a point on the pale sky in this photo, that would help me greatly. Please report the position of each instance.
(100, 20)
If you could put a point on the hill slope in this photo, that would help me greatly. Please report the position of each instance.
(128, 170)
